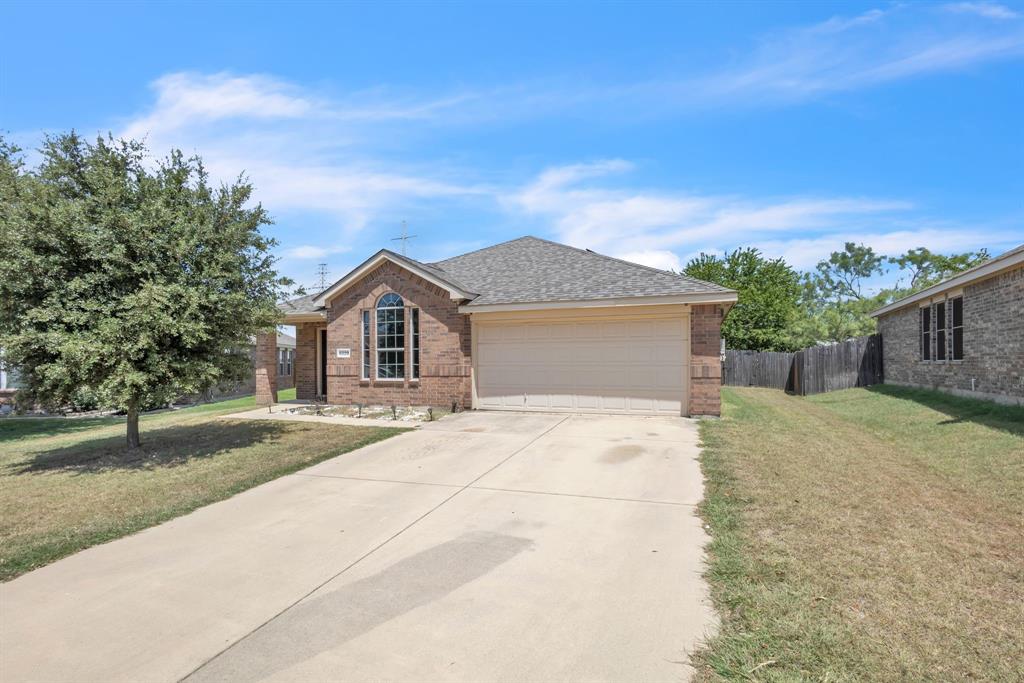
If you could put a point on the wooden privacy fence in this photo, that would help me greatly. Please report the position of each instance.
(757, 368)
(814, 370)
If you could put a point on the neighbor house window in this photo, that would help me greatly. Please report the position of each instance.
(415, 316)
(926, 333)
(940, 331)
(280, 361)
(958, 327)
(366, 345)
(291, 359)
(390, 337)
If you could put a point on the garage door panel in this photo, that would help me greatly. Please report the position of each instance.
(629, 365)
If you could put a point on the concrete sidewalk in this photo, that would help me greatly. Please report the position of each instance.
(486, 546)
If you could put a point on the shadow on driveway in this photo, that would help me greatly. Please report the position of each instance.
(333, 618)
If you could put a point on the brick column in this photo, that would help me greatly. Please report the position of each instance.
(705, 360)
(266, 368)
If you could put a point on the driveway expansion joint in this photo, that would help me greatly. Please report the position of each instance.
(370, 552)
(371, 479)
(583, 495)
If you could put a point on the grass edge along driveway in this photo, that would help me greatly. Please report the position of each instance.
(867, 534)
(69, 484)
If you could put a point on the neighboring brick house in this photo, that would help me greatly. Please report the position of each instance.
(524, 325)
(964, 335)
(285, 361)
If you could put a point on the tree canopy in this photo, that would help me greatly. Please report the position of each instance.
(836, 301)
(782, 310)
(137, 280)
(768, 295)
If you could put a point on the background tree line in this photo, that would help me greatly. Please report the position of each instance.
(780, 309)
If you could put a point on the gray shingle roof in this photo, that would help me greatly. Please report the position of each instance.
(530, 269)
(304, 304)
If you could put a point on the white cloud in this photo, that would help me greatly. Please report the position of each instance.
(309, 251)
(640, 221)
(665, 229)
(863, 51)
(989, 10)
(655, 258)
(185, 99)
(300, 149)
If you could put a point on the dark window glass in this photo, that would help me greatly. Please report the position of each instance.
(958, 328)
(926, 333)
(415, 343)
(390, 337)
(940, 331)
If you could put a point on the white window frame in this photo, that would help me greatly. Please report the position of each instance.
(376, 342)
(953, 328)
(365, 353)
(942, 329)
(926, 354)
(414, 344)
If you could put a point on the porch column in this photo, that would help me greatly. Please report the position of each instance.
(266, 368)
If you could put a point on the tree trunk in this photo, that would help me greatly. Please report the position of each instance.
(133, 425)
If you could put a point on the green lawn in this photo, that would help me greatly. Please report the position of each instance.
(67, 484)
(867, 534)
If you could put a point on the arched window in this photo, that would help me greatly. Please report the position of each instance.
(390, 337)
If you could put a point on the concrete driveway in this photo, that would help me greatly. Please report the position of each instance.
(486, 546)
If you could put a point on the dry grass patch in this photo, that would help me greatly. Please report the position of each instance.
(865, 535)
(68, 484)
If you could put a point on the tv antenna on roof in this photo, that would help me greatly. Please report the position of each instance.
(321, 274)
(405, 237)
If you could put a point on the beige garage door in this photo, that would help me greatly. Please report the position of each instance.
(597, 366)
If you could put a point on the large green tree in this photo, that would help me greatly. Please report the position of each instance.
(927, 267)
(837, 299)
(137, 280)
(768, 293)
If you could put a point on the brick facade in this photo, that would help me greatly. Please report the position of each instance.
(305, 359)
(993, 343)
(445, 362)
(266, 368)
(706, 359)
(445, 348)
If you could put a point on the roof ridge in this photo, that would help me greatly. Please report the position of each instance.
(499, 244)
(632, 263)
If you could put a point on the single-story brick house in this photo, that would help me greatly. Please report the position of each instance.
(964, 335)
(528, 324)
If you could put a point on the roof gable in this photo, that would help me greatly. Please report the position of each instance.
(427, 272)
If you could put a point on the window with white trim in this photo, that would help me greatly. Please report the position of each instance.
(926, 332)
(280, 362)
(391, 337)
(957, 305)
(366, 346)
(940, 331)
(414, 315)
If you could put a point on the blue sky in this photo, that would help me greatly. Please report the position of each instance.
(651, 132)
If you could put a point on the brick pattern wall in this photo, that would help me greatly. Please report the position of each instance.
(445, 361)
(266, 368)
(993, 343)
(706, 359)
(305, 360)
